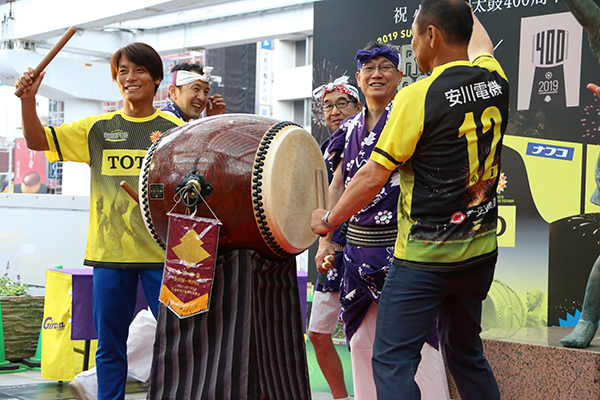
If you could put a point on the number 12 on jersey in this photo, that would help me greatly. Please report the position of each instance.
(490, 117)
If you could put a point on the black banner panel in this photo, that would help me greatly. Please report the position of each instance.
(548, 230)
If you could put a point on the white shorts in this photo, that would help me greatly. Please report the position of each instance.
(324, 312)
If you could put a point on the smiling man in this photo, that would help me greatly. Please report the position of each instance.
(189, 92)
(113, 145)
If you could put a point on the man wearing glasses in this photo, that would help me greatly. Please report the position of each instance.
(340, 101)
(372, 231)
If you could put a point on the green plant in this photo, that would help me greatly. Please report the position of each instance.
(10, 287)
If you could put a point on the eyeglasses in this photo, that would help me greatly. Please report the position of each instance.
(370, 69)
(340, 104)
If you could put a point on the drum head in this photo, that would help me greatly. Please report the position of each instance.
(284, 188)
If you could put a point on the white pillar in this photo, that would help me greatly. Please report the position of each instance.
(76, 176)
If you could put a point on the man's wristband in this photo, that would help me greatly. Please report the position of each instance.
(326, 223)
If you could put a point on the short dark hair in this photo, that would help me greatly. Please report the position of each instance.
(141, 54)
(452, 17)
(195, 67)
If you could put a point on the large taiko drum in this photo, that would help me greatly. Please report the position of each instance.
(261, 172)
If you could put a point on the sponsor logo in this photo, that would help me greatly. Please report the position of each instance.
(457, 218)
(473, 92)
(121, 162)
(155, 135)
(482, 209)
(50, 324)
(550, 151)
(116, 136)
(479, 211)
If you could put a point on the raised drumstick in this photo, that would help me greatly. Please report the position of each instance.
(130, 191)
(51, 54)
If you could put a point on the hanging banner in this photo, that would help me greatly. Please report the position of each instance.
(190, 263)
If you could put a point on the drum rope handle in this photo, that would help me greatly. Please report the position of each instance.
(209, 209)
(177, 199)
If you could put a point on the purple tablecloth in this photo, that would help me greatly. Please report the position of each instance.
(82, 323)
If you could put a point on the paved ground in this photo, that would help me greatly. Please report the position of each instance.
(29, 385)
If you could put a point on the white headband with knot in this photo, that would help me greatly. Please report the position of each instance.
(180, 77)
(207, 77)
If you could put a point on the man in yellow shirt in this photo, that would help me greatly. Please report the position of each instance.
(113, 145)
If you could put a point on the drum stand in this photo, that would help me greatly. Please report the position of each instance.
(249, 345)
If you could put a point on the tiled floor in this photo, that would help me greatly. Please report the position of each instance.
(30, 385)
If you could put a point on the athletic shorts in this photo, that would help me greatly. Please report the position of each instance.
(324, 312)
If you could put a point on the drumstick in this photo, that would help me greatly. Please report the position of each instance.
(51, 54)
(127, 187)
(320, 188)
(328, 260)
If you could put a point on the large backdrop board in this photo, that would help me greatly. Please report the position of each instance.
(549, 232)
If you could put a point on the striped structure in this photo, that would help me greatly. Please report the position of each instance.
(249, 345)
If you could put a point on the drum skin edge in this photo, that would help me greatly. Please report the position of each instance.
(268, 161)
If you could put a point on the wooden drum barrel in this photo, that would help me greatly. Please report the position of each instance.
(262, 172)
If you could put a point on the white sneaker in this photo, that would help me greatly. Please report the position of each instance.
(78, 390)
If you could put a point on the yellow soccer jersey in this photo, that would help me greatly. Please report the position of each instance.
(114, 146)
(444, 135)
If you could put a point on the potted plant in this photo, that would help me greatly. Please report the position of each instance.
(22, 316)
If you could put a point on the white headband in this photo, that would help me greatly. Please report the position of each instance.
(180, 78)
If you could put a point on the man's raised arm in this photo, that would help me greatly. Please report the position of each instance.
(33, 130)
(480, 40)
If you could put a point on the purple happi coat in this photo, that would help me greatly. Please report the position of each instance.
(365, 267)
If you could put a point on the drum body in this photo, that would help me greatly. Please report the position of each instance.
(262, 172)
